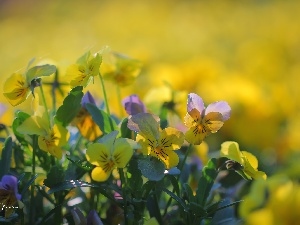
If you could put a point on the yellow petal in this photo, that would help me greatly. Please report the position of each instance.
(146, 144)
(171, 138)
(196, 134)
(98, 154)
(122, 152)
(169, 158)
(251, 159)
(100, 175)
(192, 118)
(86, 125)
(47, 145)
(34, 125)
(16, 89)
(78, 76)
(231, 150)
(213, 121)
(253, 172)
(16, 80)
(61, 135)
(17, 96)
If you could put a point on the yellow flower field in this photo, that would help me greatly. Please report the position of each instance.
(243, 52)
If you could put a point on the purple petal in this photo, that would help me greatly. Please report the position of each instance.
(93, 218)
(10, 183)
(2, 109)
(133, 105)
(87, 98)
(144, 123)
(220, 107)
(195, 102)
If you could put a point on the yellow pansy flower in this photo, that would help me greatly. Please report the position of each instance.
(50, 138)
(18, 86)
(246, 162)
(203, 121)
(155, 141)
(120, 68)
(110, 153)
(86, 67)
(84, 121)
(16, 89)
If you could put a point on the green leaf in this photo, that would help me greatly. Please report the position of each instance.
(209, 174)
(176, 198)
(135, 180)
(70, 107)
(85, 165)
(197, 210)
(175, 183)
(64, 185)
(21, 117)
(125, 131)
(101, 118)
(6, 157)
(151, 168)
(163, 115)
(27, 185)
(39, 71)
(189, 193)
(55, 176)
(147, 187)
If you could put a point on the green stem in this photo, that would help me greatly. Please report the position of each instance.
(184, 160)
(178, 177)
(32, 198)
(45, 103)
(123, 185)
(104, 94)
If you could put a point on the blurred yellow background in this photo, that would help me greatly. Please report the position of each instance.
(244, 52)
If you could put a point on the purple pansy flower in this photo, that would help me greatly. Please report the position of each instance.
(133, 105)
(87, 98)
(203, 121)
(10, 183)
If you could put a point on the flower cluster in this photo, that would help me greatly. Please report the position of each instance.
(126, 162)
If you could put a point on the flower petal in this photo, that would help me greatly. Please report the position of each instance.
(192, 118)
(231, 150)
(109, 139)
(171, 138)
(220, 107)
(98, 154)
(195, 102)
(122, 152)
(213, 121)
(34, 125)
(168, 157)
(147, 144)
(144, 123)
(100, 175)
(251, 159)
(133, 105)
(195, 135)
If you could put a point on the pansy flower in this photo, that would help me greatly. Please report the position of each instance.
(84, 121)
(85, 69)
(203, 121)
(133, 105)
(9, 195)
(51, 138)
(155, 141)
(241, 161)
(120, 68)
(18, 86)
(110, 153)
